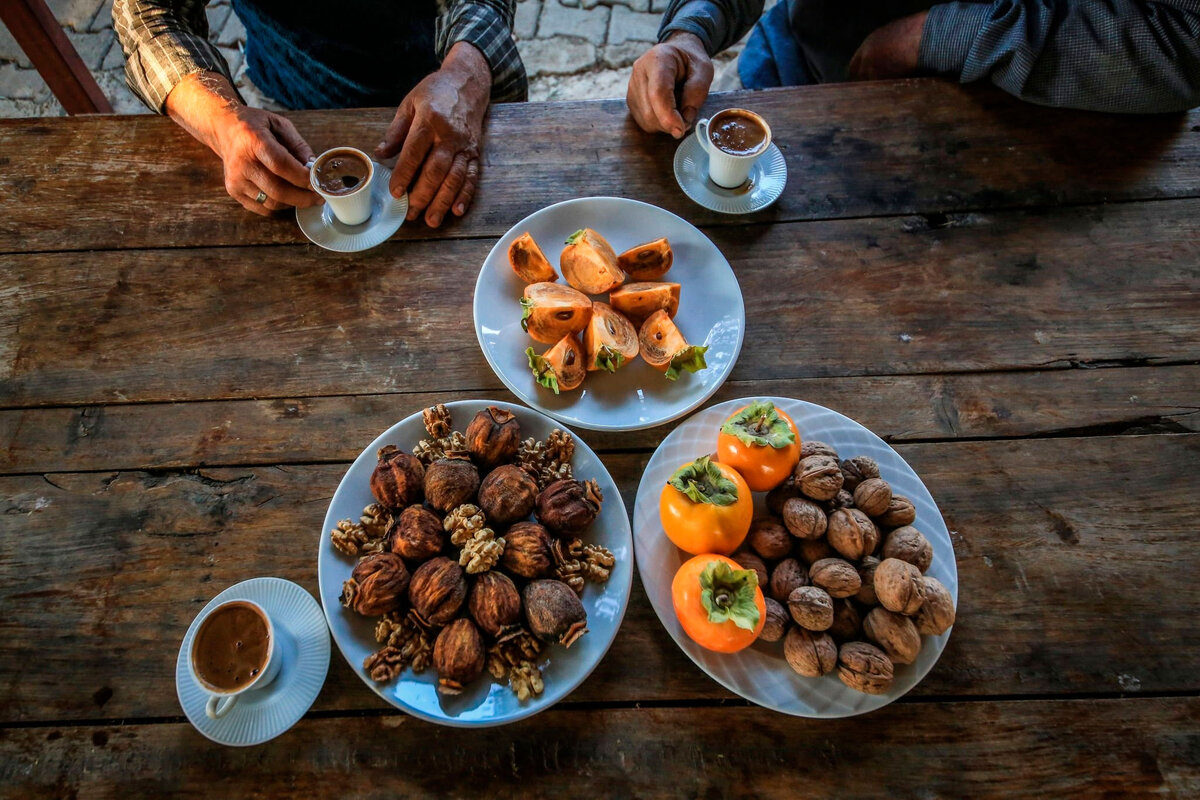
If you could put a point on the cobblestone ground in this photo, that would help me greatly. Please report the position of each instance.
(573, 50)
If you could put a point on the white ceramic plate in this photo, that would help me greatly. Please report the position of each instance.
(759, 672)
(485, 702)
(635, 396)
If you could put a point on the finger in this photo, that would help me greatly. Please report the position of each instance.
(412, 155)
(286, 132)
(250, 204)
(281, 162)
(661, 94)
(635, 98)
(467, 193)
(695, 90)
(451, 185)
(396, 133)
(432, 174)
(277, 188)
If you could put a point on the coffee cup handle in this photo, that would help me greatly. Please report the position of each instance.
(702, 134)
(218, 707)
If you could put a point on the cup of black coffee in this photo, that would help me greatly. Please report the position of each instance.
(233, 652)
(343, 177)
(734, 139)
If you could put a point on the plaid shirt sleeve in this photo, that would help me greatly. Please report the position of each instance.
(717, 23)
(1117, 56)
(486, 24)
(164, 42)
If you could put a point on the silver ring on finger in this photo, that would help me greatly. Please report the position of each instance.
(262, 197)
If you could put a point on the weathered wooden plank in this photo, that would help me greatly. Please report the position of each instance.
(901, 147)
(1076, 748)
(898, 408)
(879, 296)
(1069, 554)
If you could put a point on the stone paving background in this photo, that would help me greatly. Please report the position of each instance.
(573, 50)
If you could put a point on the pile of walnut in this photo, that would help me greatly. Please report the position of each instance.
(846, 566)
(454, 567)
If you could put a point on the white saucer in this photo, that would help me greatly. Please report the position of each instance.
(767, 178)
(387, 215)
(264, 714)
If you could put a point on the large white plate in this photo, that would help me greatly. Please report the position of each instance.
(759, 672)
(485, 702)
(635, 396)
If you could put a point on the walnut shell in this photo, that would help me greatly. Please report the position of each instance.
(769, 538)
(847, 623)
(811, 447)
(747, 560)
(507, 494)
(873, 496)
(416, 534)
(811, 607)
(865, 668)
(377, 585)
(493, 437)
(438, 590)
(899, 586)
(808, 653)
(458, 656)
(900, 512)
(787, 576)
(776, 624)
(450, 482)
(937, 612)
(494, 602)
(843, 499)
(858, 469)
(813, 550)
(909, 544)
(554, 612)
(804, 518)
(527, 550)
(866, 574)
(781, 494)
(835, 576)
(852, 533)
(399, 478)
(895, 633)
(569, 506)
(820, 477)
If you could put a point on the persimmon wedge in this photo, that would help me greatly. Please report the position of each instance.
(663, 347)
(589, 263)
(647, 262)
(609, 339)
(528, 260)
(552, 311)
(561, 368)
(641, 299)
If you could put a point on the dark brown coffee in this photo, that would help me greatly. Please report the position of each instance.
(341, 172)
(231, 647)
(737, 133)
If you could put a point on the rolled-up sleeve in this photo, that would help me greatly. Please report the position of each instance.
(717, 23)
(487, 24)
(1117, 56)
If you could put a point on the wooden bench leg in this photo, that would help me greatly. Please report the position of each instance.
(40, 36)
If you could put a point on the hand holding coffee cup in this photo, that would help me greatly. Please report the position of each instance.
(734, 139)
(233, 652)
(343, 177)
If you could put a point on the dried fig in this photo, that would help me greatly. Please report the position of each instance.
(450, 482)
(438, 590)
(554, 612)
(507, 494)
(494, 603)
(527, 550)
(458, 656)
(493, 437)
(416, 534)
(568, 507)
(398, 479)
(377, 585)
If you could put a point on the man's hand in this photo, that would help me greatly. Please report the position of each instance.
(678, 64)
(890, 51)
(437, 132)
(260, 150)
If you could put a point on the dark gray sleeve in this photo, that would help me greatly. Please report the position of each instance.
(718, 23)
(1119, 55)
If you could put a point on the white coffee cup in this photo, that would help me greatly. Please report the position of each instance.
(728, 170)
(350, 208)
(221, 701)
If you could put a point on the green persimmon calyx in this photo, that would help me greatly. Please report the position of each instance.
(703, 482)
(543, 371)
(760, 424)
(575, 237)
(526, 313)
(609, 359)
(690, 358)
(727, 594)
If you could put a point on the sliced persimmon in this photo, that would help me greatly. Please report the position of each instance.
(589, 263)
(639, 300)
(552, 311)
(609, 339)
(528, 260)
(561, 368)
(663, 347)
(647, 262)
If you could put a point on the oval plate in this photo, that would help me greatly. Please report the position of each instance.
(759, 673)
(484, 702)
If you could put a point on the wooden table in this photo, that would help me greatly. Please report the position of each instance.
(1008, 294)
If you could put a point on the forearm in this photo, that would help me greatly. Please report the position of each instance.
(718, 24)
(202, 103)
(487, 26)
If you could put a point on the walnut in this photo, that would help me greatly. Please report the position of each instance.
(376, 520)
(819, 476)
(777, 622)
(377, 585)
(858, 469)
(769, 538)
(873, 496)
(553, 612)
(900, 512)
(808, 653)
(450, 482)
(398, 478)
(493, 437)
(895, 633)
(416, 534)
(513, 647)
(507, 494)
(866, 575)
(864, 668)
(748, 560)
(437, 421)
(409, 636)
(598, 562)
(909, 544)
(569, 507)
(811, 607)
(384, 665)
(458, 656)
(494, 603)
(804, 518)
(482, 552)
(463, 523)
(777, 497)
(526, 680)
(568, 563)
(349, 537)
(852, 533)
(937, 612)
(847, 623)
(787, 576)
(899, 586)
(527, 550)
(813, 550)
(548, 461)
(835, 576)
(437, 590)
(815, 448)
(843, 499)
(430, 450)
